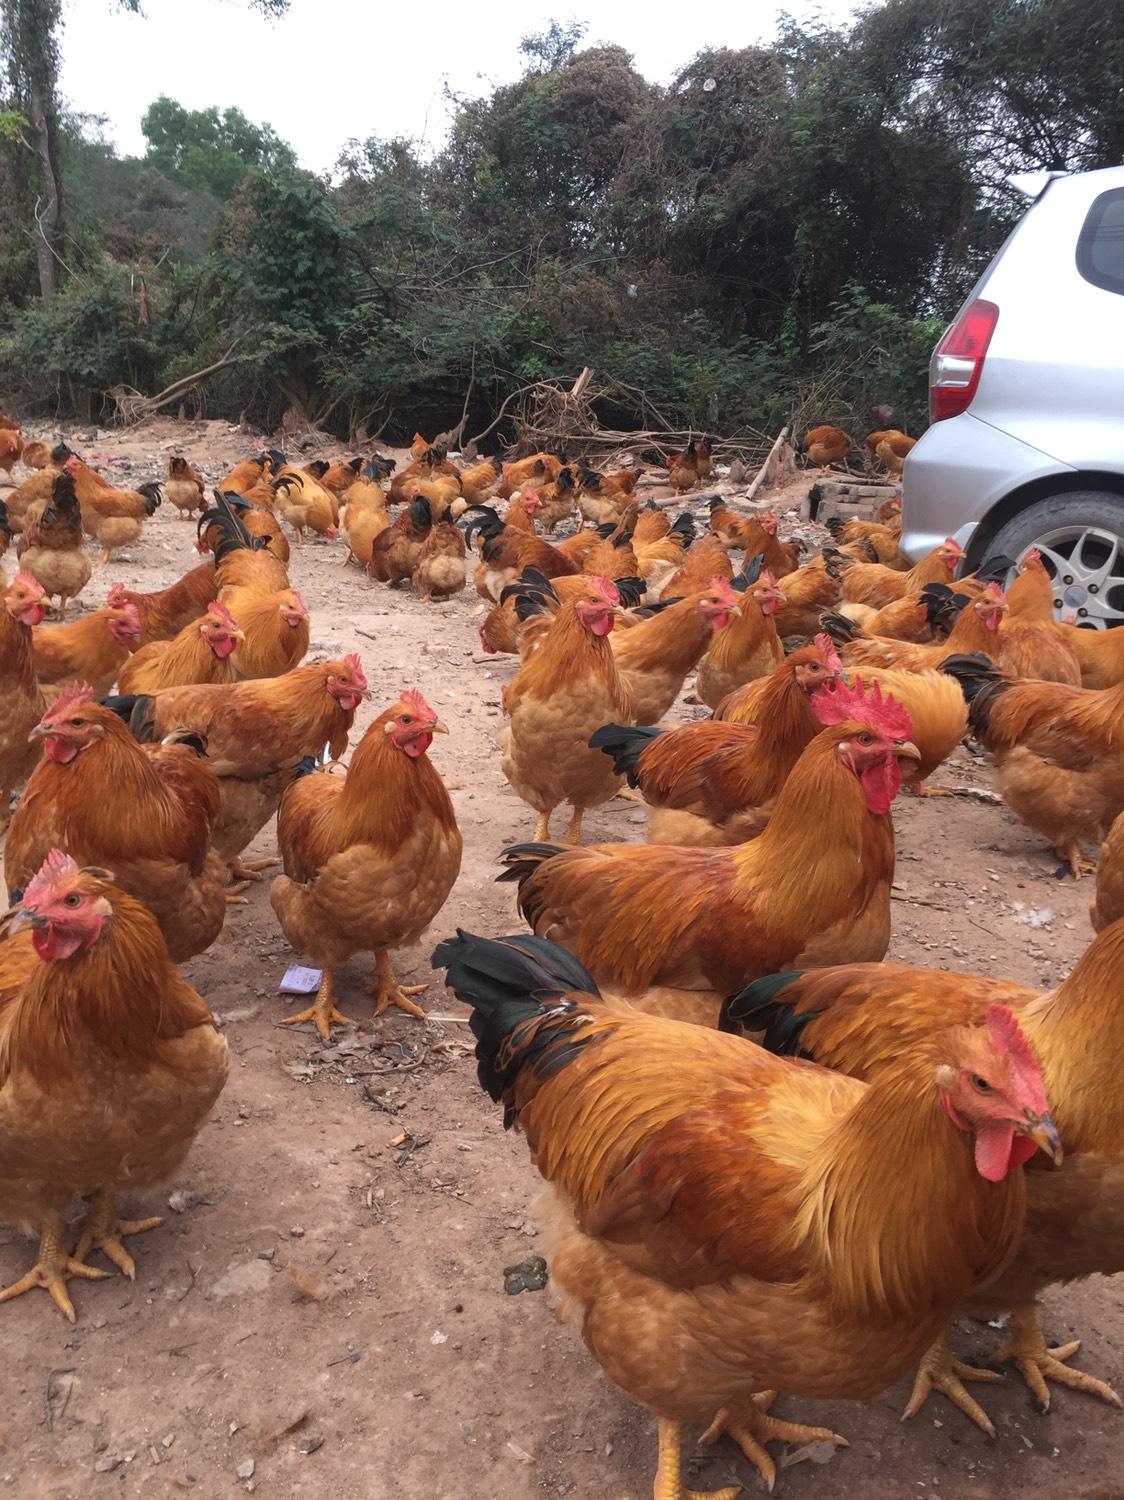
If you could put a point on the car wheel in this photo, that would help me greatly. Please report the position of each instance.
(1081, 538)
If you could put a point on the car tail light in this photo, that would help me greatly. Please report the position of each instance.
(957, 363)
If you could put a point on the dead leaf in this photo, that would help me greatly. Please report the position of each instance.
(819, 1452)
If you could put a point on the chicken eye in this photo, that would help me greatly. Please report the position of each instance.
(981, 1084)
(865, 739)
(406, 719)
(74, 899)
(77, 723)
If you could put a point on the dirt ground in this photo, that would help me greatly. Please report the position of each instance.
(323, 1311)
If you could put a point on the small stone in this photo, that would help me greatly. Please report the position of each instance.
(266, 1254)
(308, 1445)
(167, 1440)
(245, 1469)
(297, 1232)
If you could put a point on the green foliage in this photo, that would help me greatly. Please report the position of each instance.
(209, 151)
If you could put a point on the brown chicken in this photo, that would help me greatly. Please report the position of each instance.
(537, 468)
(91, 649)
(245, 475)
(527, 606)
(749, 647)
(891, 447)
(242, 560)
(164, 612)
(721, 1221)
(11, 449)
(256, 517)
(113, 518)
(396, 549)
(605, 497)
(562, 692)
(306, 505)
(884, 538)
(683, 469)
(859, 1018)
(976, 628)
(36, 455)
(709, 919)
(256, 735)
(441, 569)
(1108, 897)
(22, 702)
(557, 499)
(713, 782)
(826, 445)
(201, 652)
(155, 836)
(274, 631)
(655, 655)
(370, 858)
(36, 488)
(504, 552)
(184, 487)
(809, 593)
(480, 482)
(52, 547)
(876, 585)
(361, 520)
(112, 1063)
(337, 476)
(1058, 752)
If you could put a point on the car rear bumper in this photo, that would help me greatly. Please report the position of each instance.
(958, 472)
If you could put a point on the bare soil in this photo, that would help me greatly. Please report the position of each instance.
(323, 1310)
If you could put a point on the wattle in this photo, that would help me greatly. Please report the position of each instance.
(417, 745)
(59, 749)
(51, 943)
(348, 701)
(998, 1150)
(602, 625)
(222, 648)
(880, 783)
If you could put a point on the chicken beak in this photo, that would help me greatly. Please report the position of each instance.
(23, 916)
(37, 732)
(1044, 1133)
(438, 728)
(907, 750)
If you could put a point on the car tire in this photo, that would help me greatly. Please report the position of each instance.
(1081, 537)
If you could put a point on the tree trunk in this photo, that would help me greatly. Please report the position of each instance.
(47, 210)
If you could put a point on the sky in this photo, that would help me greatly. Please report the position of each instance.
(332, 70)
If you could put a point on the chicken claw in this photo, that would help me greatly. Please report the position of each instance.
(53, 1269)
(103, 1230)
(940, 1371)
(1036, 1362)
(323, 1010)
(669, 1469)
(387, 990)
(751, 1428)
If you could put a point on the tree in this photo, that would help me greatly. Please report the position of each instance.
(209, 151)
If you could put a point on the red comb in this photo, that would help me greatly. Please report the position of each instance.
(70, 697)
(113, 598)
(1005, 1032)
(606, 588)
(1032, 555)
(766, 577)
(994, 593)
(950, 541)
(413, 700)
(835, 701)
(222, 614)
(56, 865)
(828, 651)
(26, 580)
(356, 667)
(721, 587)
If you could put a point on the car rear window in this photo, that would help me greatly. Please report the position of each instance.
(1100, 245)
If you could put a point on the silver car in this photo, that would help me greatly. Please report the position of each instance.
(1026, 396)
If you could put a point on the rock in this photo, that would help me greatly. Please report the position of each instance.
(245, 1469)
(241, 1280)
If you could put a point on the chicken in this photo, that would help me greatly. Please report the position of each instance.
(361, 520)
(826, 445)
(683, 469)
(1108, 897)
(396, 549)
(306, 505)
(526, 607)
(36, 455)
(519, 513)
(164, 612)
(480, 482)
(891, 448)
(274, 633)
(505, 552)
(1058, 752)
(858, 1018)
(92, 648)
(242, 560)
(6, 532)
(605, 497)
(661, 546)
(720, 1221)
(654, 657)
(184, 487)
(556, 500)
(36, 488)
(884, 538)
(256, 517)
(370, 858)
(441, 570)
(976, 628)
(337, 476)
(443, 493)
(112, 1063)
(11, 449)
(201, 652)
(704, 456)
(561, 693)
(537, 468)
(256, 735)
(113, 518)
(245, 475)
(52, 547)
(756, 533)
(749, 646)
(877, 585)
(808, 593)
(710, 919)
(22, 702)
(719, 778)
(144, 812)
(432, 463)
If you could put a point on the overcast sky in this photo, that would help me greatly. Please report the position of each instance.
(336, 69)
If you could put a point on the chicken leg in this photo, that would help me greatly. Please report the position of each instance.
(751, 1428)
(323, 1011)
(240, 874)
(574, 832)
(103, 1230)
(542, 829)
(669, 1469)
(1036, 1362)
(940, 1371)
(387, 990)
(53, 1269)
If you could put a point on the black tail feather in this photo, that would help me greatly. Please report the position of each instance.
(758, 1008)
(625, 743)
(136, 710)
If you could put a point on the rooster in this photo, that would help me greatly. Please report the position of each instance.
(113, 518)
(506, 551)
(683, 469)
(370, 858)
(112, 1063)
(561, 693)
(721, 1221)
(22, 701)
(51, 546)
(154, 833)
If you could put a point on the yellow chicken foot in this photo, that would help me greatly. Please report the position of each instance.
(919, 789)
(53, 1268)
(387, 990)
(322, 1012)
(250, 869)
(669, 1469)
(103, 1230)
(1037, 1363)
(574, 832)
(751, 1428)
(542, 829)
(940, 1371)
(102, 560)
(1074, 861)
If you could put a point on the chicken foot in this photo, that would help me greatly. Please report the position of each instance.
(1036, 1361)
(668, 1483)
(323, 1010)
(574, 832)
(542, 829)
(940, 1371)
(387, 990)
(751, 1428)
(103, 1230)
(1074, 861)
(53, 1269)
(240, 874)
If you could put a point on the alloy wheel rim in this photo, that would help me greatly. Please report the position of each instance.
(1086, 567)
